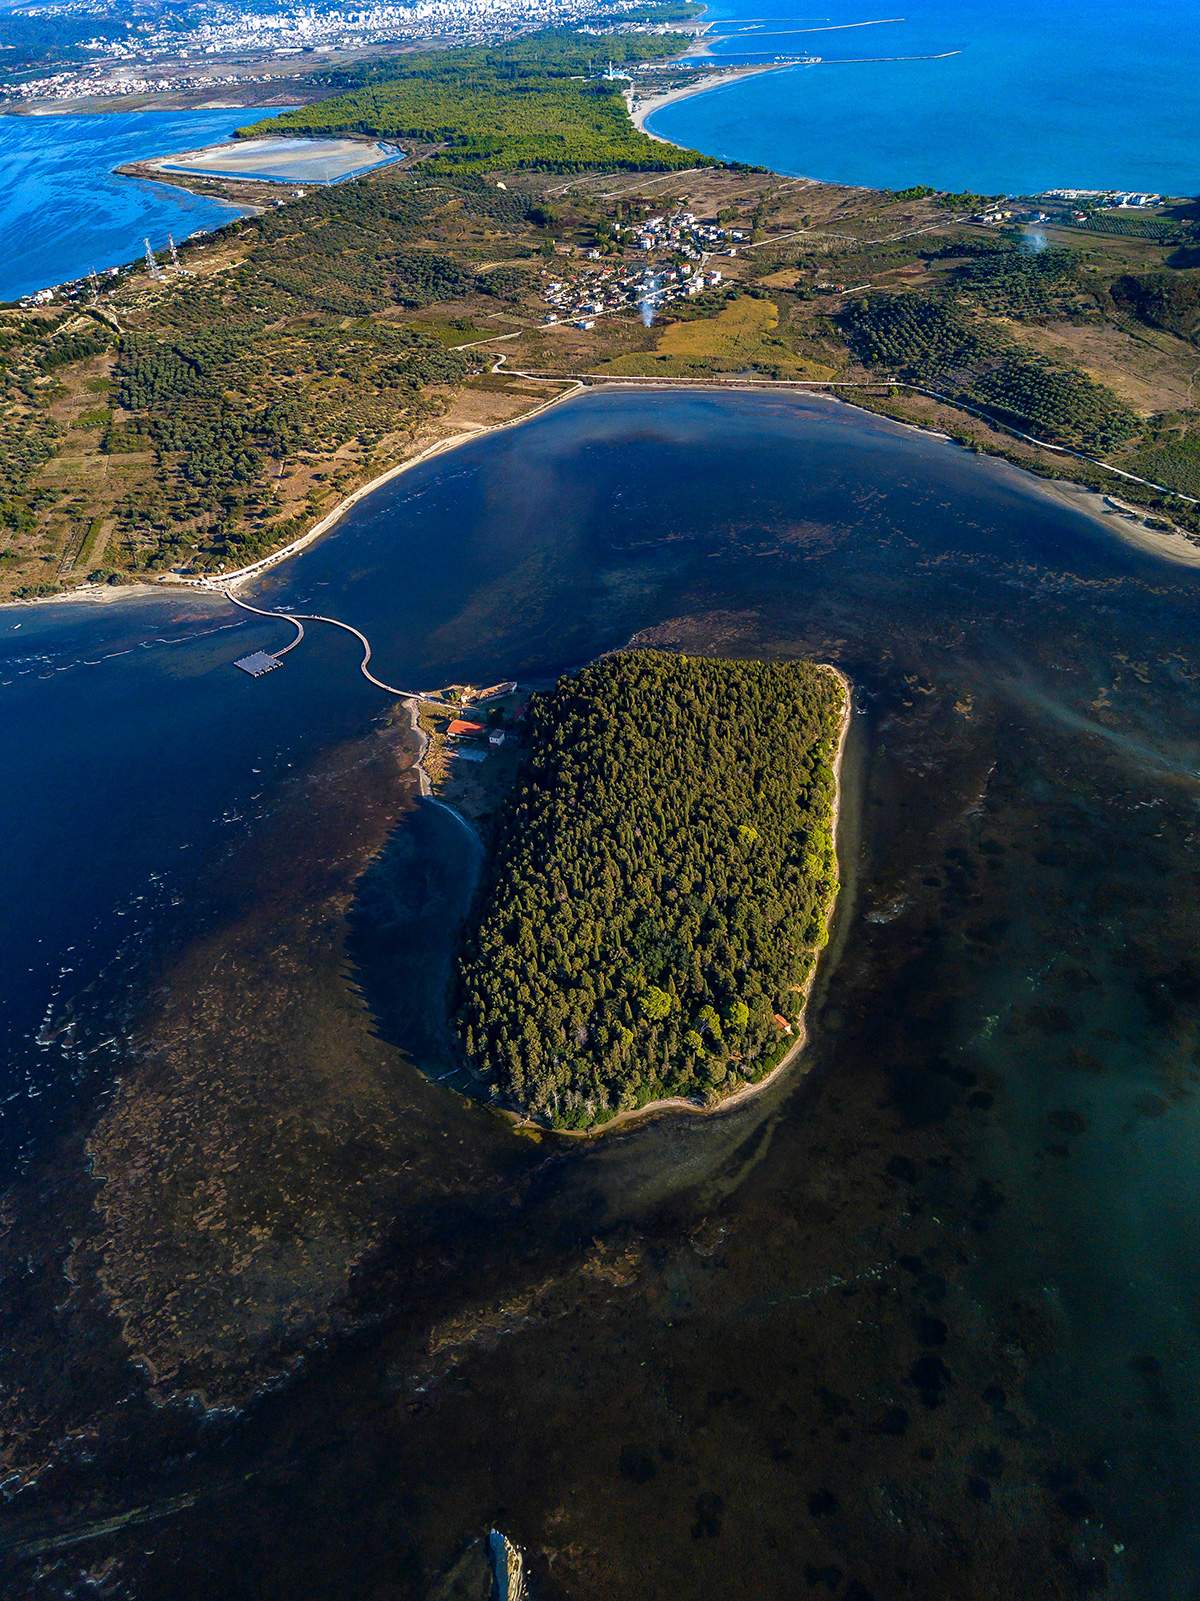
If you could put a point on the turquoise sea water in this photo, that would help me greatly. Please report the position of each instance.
(62, 210)
(1036, 97)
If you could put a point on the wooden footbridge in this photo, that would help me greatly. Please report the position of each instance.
(260, 659)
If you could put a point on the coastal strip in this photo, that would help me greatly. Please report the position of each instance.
(640, 109)
(225, 581)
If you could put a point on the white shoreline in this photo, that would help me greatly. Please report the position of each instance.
(706, 85)
(482, 430)
(1066, 491)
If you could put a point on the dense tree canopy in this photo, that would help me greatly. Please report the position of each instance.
(659, 886)
(223, 407)
(537, 102)
(1026, 285)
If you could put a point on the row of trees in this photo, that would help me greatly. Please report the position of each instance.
(659, 885)
(933, 341)
(30, 348)
(917, 336)
(222, 406)
(1024, 284)
(26, 444)
(1056, 402)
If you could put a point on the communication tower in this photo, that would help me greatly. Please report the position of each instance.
(152, 266)
(174, 253)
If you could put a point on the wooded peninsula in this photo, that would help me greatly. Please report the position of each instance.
(660, 883)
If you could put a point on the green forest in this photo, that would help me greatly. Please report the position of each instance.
(537, 103)
(658, 888)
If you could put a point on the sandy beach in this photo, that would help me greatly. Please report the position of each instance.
(642, 107)
(1174, 546)
(256, 568)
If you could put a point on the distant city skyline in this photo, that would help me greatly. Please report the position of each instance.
(155, 54)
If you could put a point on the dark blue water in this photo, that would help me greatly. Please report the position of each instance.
(132, 755)
(1037, 96)
(63, 212)
(1013, 1019)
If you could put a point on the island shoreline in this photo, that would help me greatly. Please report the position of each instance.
(677, 1103)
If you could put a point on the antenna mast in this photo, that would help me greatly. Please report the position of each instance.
(152, 266)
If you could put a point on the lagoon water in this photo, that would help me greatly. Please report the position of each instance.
(62, 210)
(1035, 96)
(921, 1323)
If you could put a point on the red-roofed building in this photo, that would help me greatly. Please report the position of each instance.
(471, 730)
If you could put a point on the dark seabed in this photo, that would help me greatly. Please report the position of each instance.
(283, 1317)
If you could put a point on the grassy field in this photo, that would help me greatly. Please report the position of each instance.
(743, 337)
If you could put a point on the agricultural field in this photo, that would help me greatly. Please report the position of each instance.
(742, 337)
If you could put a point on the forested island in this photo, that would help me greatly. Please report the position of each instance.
(660, 883)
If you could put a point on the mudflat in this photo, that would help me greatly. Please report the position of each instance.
(283, 160)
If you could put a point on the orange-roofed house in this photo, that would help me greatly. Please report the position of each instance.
(459, 727)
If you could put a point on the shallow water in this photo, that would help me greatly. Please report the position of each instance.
(1017, 97)
(919, 1322)
(63, 211)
